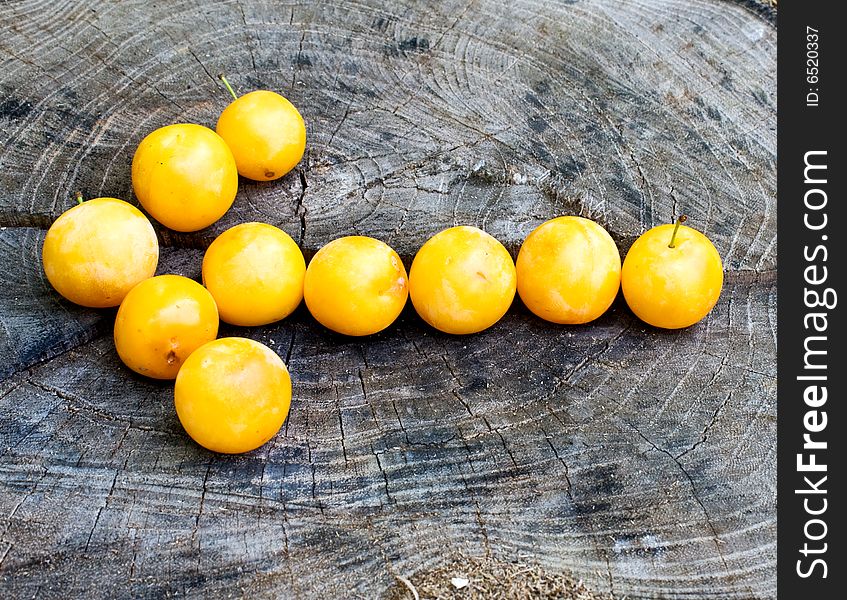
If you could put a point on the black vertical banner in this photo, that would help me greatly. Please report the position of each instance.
(812, 263)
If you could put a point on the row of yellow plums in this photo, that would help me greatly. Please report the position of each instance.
(462, 281)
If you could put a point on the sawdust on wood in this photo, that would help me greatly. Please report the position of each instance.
(490, 579)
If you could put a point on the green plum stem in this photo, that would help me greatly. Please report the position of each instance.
(228, 87)
(79, 198)
(682, 219)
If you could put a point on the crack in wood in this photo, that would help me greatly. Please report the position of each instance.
(695, 494)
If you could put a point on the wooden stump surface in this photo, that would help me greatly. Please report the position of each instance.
(640, 460)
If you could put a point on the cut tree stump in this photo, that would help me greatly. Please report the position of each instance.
(641, 461)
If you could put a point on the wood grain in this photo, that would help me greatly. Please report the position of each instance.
(639, 460)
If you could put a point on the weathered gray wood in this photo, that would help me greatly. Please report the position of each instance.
(639, 460)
